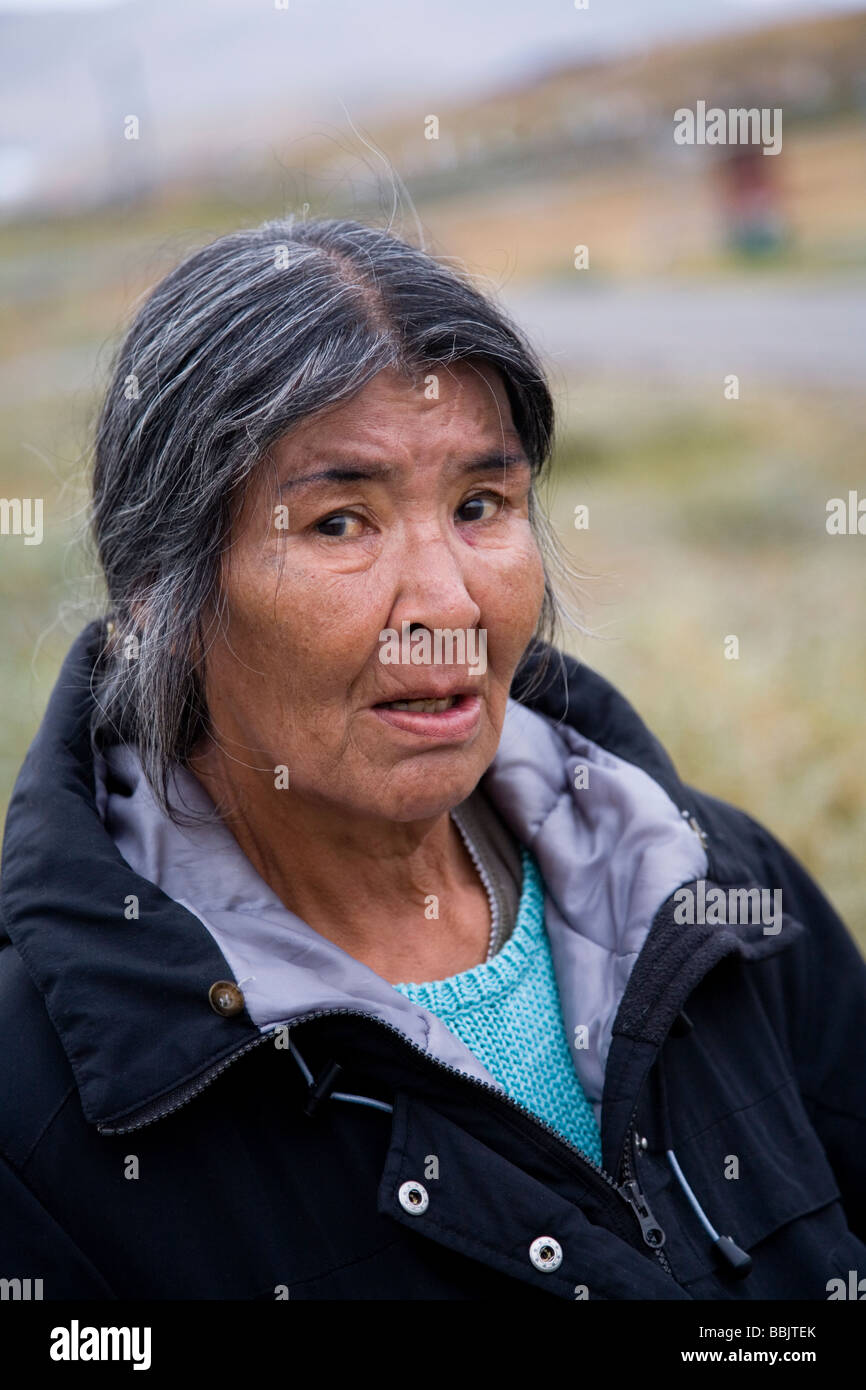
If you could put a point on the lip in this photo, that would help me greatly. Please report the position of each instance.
(452, 725)
(430, 691)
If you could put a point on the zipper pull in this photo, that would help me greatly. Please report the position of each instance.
(320, 1089)
(650, 1228)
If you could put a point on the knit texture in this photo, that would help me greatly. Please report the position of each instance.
(507, 1012)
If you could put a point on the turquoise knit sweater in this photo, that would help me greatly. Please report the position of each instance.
(507, 1012)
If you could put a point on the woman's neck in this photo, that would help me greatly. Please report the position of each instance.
(402, 897)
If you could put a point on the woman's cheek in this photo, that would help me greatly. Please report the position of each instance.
(333, 624)
(517, 594)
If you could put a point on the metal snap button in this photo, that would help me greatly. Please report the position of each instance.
(225, 998)
(546, 1253)
(413, 1198)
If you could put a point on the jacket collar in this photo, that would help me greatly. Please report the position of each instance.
(129, 995)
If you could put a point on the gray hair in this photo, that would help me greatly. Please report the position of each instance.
(244, 339)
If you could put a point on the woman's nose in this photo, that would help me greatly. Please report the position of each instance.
(432, 588)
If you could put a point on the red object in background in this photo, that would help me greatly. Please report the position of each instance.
(751, 201)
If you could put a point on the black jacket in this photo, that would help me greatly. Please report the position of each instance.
(154, 1147)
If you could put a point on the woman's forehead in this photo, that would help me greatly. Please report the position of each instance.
(458, 396)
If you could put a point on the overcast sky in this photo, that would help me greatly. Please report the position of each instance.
(206, 75)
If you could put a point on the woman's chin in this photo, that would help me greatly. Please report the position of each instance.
(427, 800)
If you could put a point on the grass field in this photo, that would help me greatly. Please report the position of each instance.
(706, 523)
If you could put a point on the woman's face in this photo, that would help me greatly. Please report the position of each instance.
(394, 508)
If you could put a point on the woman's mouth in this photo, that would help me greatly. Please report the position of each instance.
(451, 718)
(424, 706)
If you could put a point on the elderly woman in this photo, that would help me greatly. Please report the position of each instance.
(359, 943)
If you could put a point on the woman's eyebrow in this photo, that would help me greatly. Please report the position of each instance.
(364, 472)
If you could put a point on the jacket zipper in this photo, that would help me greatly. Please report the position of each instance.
(651, 1231)
(485, 879)
(629, 1191)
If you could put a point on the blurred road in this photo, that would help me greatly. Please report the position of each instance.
(785, 331)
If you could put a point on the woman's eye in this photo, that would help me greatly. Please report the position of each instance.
(491, 500)
(339, 526)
